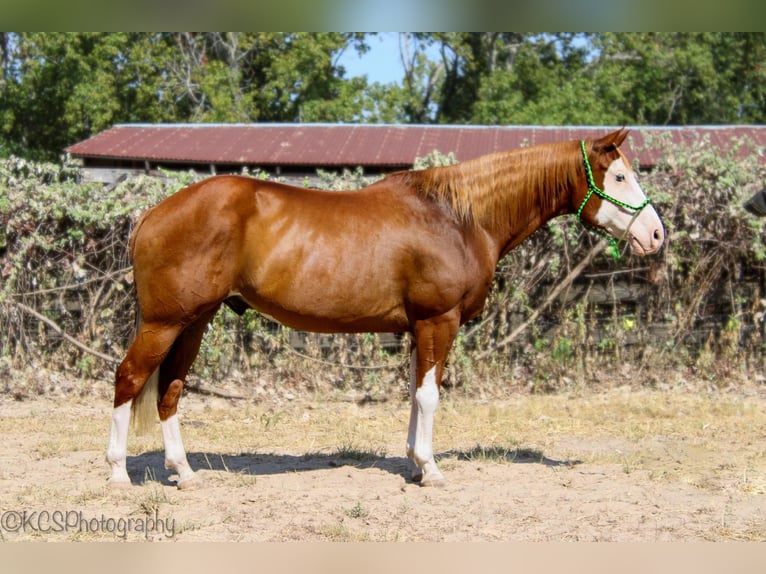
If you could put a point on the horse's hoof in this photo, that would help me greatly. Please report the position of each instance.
(190, 484)
(118, 484)
(434, 482)
(417, 477)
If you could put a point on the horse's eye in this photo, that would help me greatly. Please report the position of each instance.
(620, 177)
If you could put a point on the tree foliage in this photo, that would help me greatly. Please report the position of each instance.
(58, 88)
(61, 88)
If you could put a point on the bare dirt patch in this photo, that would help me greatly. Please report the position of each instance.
(617, 466)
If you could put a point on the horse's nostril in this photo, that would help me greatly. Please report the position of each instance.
(657, 234)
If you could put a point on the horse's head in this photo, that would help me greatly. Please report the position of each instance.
(611, 200)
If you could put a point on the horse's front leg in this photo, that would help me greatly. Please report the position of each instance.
(433, 339)
(412, 433)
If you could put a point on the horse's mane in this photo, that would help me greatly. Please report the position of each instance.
(503, 186)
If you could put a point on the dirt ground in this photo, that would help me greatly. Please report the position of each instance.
(621, 465)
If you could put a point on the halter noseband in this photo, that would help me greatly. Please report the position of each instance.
(593, 188)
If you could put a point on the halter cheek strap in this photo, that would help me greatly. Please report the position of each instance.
(593, 188)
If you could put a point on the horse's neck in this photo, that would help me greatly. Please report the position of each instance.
(508, 194)
(532, 192)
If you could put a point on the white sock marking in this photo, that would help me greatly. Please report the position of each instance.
(117, 451)
(175, 455)
(427, 398)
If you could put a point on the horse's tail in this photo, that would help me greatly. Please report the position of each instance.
(134, 233)
(143, 410)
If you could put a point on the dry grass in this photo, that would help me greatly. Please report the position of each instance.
(619, 465)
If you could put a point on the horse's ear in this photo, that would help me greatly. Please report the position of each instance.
(612, 141)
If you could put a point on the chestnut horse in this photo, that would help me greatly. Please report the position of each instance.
(415, 252)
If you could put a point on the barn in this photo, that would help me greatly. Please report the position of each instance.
(296, 151)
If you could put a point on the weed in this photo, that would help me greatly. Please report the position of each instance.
(500, 454)
(337, 532)
(269, 420)
(152, 497)
(357, 511)
(350, 451)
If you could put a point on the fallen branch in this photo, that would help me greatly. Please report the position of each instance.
(120, 272)
(343, 365)
(55, 326)
(566, 282)
(194, 388)
(202, 390)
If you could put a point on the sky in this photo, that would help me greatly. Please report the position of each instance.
(380, 64)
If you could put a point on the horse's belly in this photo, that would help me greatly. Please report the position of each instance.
(323, 319)
(326, 307)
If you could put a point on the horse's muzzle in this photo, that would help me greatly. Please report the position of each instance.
(648, 243)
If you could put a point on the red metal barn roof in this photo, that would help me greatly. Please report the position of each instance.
(369, 145)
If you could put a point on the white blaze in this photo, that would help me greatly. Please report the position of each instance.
(643, 229)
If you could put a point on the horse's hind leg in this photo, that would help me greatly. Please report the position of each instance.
(173, 373)
(152, 343)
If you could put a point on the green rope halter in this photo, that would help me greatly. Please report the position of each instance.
(593, 188)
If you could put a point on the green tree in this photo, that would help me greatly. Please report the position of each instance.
(263, 76)
(492, 77)
(469, 58)
(414, 99)
(546, 82)
(682, 78)
(611, 78)
(58, 88)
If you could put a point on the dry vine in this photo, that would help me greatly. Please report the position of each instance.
(556, 309)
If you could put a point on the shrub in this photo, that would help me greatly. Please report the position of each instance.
(697, 306)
